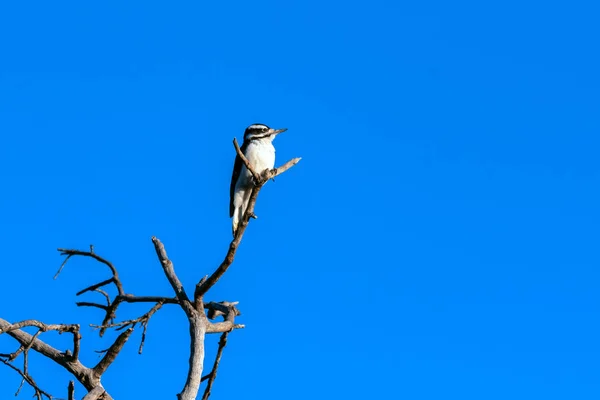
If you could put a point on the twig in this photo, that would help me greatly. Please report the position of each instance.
(222, 308)
(213, 374)
(62, 266)
(229, 312)
(43, 327)
(106, 296)
(245, 161)
(143, 339)
(280, 170)
(169, 270)
(71, 252)
(71, 391)
(96, 286)
(233, 246)
(143, 318)
(60, 328)
(12, 356)
(65, 359)
(27, 378)
(225, 326)
(110, 308)
(128, 298)
(112, 352)
(89, 304)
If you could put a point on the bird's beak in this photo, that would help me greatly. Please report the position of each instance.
(275, 132)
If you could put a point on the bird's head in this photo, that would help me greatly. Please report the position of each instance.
(261, 131)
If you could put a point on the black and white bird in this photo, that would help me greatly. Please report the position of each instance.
(258, 149)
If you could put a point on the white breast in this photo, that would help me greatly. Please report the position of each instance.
(261, 155)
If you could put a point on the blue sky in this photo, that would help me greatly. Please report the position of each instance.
(438, 239)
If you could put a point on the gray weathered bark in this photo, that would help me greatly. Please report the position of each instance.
(194, 309)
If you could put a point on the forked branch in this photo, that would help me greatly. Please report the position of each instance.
(67, 359)
(196, 310)
(260, 180)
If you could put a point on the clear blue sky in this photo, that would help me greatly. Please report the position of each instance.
(439, 239)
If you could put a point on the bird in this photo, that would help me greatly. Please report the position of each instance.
(258, 149)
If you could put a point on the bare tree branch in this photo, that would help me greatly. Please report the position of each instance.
(196, 361)
(233, 246)
(62, 266)
(43, 327)
(221, 308)
(66, 359)
(229, 313)
(112, 352)
(213, 374)
(110, 308)
(89, 304)
(27, 378)
(167, 265)
(144, 319)
(61, 328)
(128, 298)
(280, 170)
(106, 296)
(70, 252)
(96, 286)
(199, 324)
(95, 394)
(245, 160)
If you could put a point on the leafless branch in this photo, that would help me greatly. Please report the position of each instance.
(66, 359)
(110, 308)
(61, 328)
(127, 298)
(213, 374)
(169, 270)
(222, 308)
(96, 286)
(112, 352)
(89, 304)
(106, 296)
(62, 266)
(280, 170)
(197, 325)
(115, 275)
(95, 394)
(233, 246)
(133, 322)
(27, 378)
(143, 320)
(245, 160)
(195, 309)
(43, 327)
(229, 312)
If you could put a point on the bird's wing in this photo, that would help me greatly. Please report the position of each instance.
(237, 169)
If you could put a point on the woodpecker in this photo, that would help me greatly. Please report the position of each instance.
(258, 149)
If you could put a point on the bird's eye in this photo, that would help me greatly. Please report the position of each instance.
(264, 129)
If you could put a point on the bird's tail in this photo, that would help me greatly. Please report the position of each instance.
(235, 220)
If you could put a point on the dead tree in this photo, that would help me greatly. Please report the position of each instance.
(199, 314)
